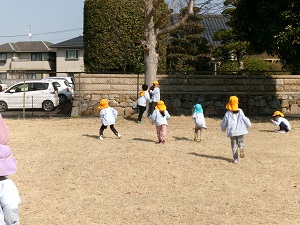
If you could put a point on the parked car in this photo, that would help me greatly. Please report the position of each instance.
(30, 94)
(65, 91)
(69, 79)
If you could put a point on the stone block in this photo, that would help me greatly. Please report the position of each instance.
(285, 103)
(128, 111)
(122, 98)
(210, 111)
(120, 111)
(295, 109)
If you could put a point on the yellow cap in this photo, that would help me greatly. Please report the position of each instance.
(103, 104)
(278, 113)
(161, 106)
(233, 103)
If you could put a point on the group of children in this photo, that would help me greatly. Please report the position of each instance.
(234, 121)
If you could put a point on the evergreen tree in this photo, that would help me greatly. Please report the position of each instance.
(188, 50)
(112, 34)
(111, 31)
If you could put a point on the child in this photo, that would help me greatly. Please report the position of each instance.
(278, 120)
(236, 124)
(160, 116)
(199, 120)
(154, 92)
(108, 117)
(142, 101)
(9, 194)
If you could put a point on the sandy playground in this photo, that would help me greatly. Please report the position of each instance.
(66, 176)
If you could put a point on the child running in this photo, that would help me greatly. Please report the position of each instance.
(283, 123)
(199, 120)
(143, 98)
(236, 124)
(159, 117)
(108, 116)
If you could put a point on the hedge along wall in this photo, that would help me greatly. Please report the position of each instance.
(259, 95)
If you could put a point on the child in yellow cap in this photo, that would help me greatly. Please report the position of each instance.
(154, 92)
(142, 100)
(236, 124)
(159, 117)
(283, 123)
(108, 116)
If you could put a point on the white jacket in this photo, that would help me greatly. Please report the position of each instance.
(199, 120)
(155, 93)
(236, 124)
(284, 120)
(159, 119)
(142, 100)
(108, 116)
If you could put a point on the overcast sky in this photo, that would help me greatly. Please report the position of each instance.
(54, 21)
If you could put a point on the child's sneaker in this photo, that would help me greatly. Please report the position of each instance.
(242, 153)
(163, 141)
(100, 138)
(195, 139)
(201, 140)
(119, 135)
(139, 121)
(235, 161)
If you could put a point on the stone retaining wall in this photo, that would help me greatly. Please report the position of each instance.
(259, 95)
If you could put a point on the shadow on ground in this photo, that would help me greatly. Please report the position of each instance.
(210, 156)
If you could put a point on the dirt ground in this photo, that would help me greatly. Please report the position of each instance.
(66, 176)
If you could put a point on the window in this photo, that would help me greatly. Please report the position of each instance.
(72, 54)
(3, 57)
(36, 56)
(20, 88)
(29, 76)
(3, 76)
(38, 86)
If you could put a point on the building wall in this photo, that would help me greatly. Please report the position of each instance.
(68, 65)
(259, 95)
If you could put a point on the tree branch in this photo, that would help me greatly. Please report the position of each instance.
(155, 5)
(162, 18)
(179, 22)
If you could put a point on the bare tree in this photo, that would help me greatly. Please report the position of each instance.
(153, 31)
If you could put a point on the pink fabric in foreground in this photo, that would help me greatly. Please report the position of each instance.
(8, 165)
(4, 133)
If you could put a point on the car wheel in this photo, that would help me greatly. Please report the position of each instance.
(62, 99)
(48, 106)
(3, 106)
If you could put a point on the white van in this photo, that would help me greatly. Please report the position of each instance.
(30, 94)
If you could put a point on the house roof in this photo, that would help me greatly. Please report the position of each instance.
(26, 46)
(74, 42)
(212, 23)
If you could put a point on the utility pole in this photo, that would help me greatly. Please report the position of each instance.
(30, 32)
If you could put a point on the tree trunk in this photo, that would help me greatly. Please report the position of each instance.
(150, 55)
(152, 31)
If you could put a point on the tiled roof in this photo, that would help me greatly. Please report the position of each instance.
(26, 46)
(212, 23)
(74, 42)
